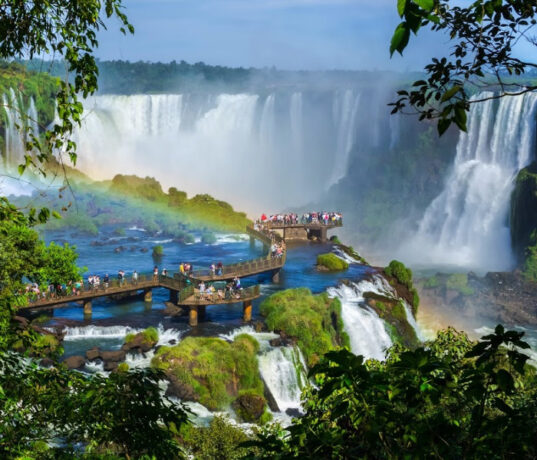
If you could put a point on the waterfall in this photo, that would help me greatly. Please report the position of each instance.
(283, 368)
(368, 336)
(285, 147)
(19, 123)
(345, 108)
(466, 225)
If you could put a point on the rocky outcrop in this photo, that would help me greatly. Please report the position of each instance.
(113, 356)
(500, 297)
(93, 353)
(250, 407)
(75, 362)
(523, 216)
(180, 389)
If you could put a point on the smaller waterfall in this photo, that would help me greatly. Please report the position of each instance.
(107, 332)
(345, 108)
(366, 330)
(283, 368)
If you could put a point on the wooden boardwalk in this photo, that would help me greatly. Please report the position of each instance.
(302, 231)
(182, 292)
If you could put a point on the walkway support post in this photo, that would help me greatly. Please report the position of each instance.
(276, 276)
(87, 308)
(247, 311)
(148, 295)
(252, 242)
(193, 315)
(324, 231)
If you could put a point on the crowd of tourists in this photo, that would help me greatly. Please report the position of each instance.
(33, 292)
(212, 291)
(320, 217)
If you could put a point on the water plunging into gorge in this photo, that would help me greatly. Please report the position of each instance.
(467, 224)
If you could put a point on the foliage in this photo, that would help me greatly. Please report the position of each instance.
(123, 414)
(158, 250)
(215, 370)
(450, 399)
(431, 283)
(315, 321)
(530, 264)
(331, 262)
(219, 441)
(98, 205)
(208, 238)
(398, 271)
(483, 34)
(459, 282)
(123, 367)
(150, 334)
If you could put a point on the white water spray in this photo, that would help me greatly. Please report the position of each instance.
(466, 225)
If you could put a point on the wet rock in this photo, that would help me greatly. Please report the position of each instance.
(292, 412)
(46, 362)
(113, 356)
(93, 353)
(144, 250)
(110, 366)
(139, 343)
(271, 400)
(250, 407)
(180, 389)
(75, 362)
(172, 342)
(19, 322)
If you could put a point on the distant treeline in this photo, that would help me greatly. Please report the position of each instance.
(124, 77)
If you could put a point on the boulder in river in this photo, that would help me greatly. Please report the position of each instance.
(250, 407)
(181, 390)
(93, 353)
(75, 362)
(113, 356)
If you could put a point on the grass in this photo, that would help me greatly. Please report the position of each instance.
(332, 262)
(314, 320)
(150, 334)
(216, 370)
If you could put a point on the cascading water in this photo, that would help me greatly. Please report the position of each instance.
(283, 368)
(466, 225)
(283, 148)
(368, 336)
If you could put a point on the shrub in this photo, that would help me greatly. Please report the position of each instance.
(158, 251)
(314, 320)
(331, 262)
(123, 367)
(129, 337)
(431, 283)
(459, 282)
(150, 334)
(208, 238)
(398, 271)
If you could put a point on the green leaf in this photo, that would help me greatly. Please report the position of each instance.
(400, 38)
(401, 5)
(56, 215)
(443, 125)
(427, 5)
(450, 93)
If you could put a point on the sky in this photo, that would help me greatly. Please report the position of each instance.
(287, 34)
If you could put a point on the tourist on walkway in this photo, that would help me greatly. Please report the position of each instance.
(135, 277)
(155, 273)
(106, 281)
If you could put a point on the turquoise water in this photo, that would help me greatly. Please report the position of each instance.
(299, 271)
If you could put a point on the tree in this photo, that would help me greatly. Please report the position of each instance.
(449, 399)
(484, 35)
(58, 28)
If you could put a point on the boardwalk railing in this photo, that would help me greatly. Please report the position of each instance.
(299, 223)
(197, 298)
(176, 282)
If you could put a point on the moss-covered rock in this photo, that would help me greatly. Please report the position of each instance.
(314, 320)
(392, 311)
(208, 238)
(158, 251)
(141, 342)
(330, 262)
(400, 277)
(211, 370)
